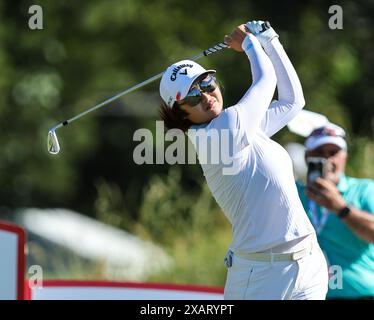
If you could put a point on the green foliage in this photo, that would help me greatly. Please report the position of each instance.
(168, 211)
(110, 207)
(190, 226)
(361, 153)
(59, 263)
(198, 259)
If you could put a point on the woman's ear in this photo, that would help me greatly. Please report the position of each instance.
(184, 108)
(186, 116)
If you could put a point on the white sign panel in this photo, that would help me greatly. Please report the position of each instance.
(101, 290)
(12, 267)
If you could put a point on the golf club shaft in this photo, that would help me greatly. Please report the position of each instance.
(207, 52)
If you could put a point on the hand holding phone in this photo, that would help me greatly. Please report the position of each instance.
(316, 168)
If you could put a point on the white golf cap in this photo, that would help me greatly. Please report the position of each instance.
(327, 134)
(177, 80)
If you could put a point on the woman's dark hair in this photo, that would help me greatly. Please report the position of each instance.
(174, 117)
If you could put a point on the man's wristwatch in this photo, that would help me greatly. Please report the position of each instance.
(344, 212)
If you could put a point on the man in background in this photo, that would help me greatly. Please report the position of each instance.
(341, 209)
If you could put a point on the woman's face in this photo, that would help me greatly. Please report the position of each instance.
(210, 107)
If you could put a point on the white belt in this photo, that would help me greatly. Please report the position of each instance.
(270, 256)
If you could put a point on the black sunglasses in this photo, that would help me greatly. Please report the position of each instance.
(194, 96)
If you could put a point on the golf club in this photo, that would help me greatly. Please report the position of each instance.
(52, 142)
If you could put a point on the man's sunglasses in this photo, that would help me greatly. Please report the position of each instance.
(194, 96)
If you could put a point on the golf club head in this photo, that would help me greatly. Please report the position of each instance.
(52, 142)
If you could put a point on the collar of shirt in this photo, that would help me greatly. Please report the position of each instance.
(343, 183)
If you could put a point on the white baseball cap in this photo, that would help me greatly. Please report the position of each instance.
(178, 79)
(327, 134)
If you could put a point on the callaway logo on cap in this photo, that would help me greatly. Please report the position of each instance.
(175, 70)
(177, 80)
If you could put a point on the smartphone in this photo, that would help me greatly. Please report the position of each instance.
(316, 168)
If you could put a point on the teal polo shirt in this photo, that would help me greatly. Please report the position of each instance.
(341, 246)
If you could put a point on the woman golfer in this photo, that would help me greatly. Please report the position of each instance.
(274, 253)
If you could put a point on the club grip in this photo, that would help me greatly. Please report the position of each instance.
(216, 48)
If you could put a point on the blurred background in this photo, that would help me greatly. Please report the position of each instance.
(87, 52)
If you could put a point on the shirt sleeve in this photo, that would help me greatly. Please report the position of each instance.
(290, 93)
(253, 105)
(368, 198)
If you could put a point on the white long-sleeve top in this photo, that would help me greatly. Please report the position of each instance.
(252, 178)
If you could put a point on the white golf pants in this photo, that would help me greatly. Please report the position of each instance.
(303, 279)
